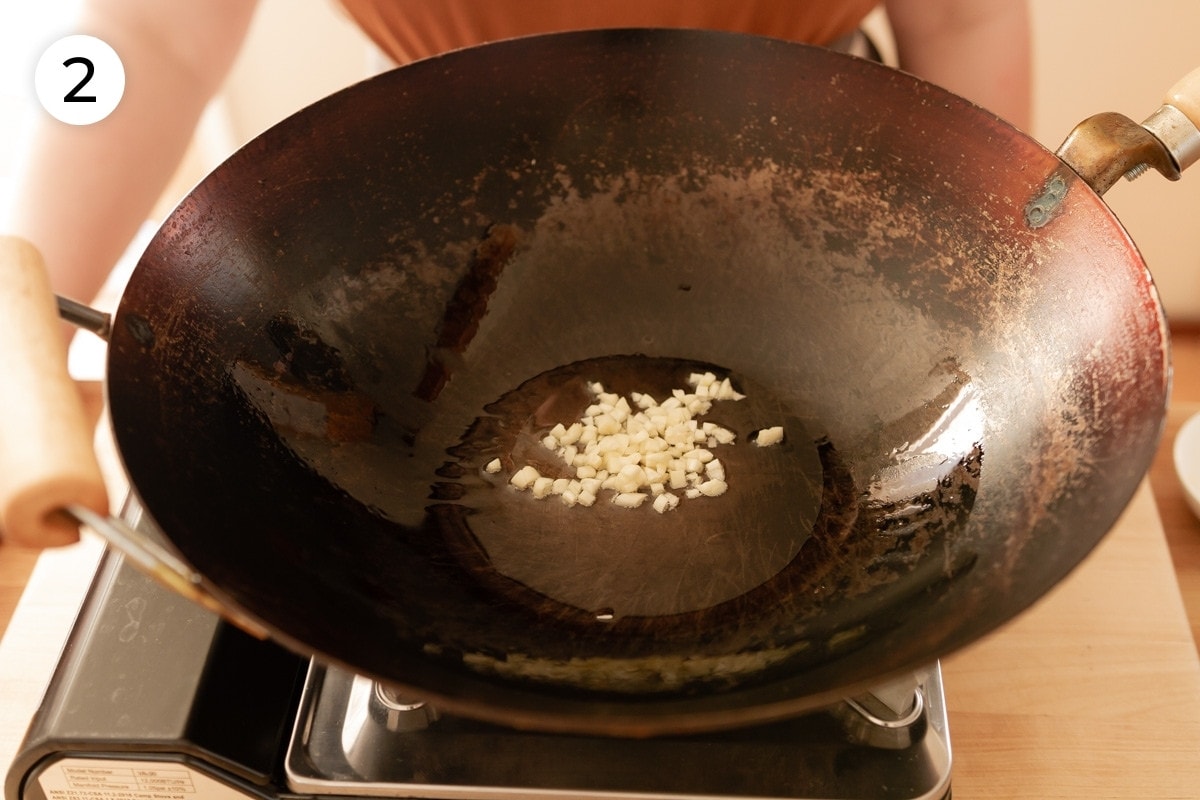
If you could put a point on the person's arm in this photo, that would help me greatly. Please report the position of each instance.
(978, 49)
(83, 192)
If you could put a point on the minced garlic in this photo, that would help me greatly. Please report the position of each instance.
(638, 448)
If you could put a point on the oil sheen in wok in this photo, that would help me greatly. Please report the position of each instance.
(614, 561)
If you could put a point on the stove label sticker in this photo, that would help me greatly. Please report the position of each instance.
(108, 779)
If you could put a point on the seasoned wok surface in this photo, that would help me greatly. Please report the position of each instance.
(340, 326)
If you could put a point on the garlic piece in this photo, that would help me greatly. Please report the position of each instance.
(524, 477)
(629, 499)
(715, 470)
(665, 502)
(769, 436)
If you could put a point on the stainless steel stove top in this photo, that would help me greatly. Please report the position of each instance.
(356, 738)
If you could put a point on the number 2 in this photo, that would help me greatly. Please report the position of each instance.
(73, 96)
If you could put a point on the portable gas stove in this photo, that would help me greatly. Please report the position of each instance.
(155, 698)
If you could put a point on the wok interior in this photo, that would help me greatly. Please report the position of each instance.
(338, 328)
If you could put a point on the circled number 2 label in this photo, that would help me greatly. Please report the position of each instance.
(79, 79)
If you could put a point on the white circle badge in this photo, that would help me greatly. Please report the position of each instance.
(79, 79)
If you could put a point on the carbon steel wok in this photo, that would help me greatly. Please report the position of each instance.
(337, 329)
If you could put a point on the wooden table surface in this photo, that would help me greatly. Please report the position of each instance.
(1093, 693)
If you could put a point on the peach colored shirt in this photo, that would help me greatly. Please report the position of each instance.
(411, 29)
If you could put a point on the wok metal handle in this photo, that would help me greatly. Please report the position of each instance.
(159, 563)
(1106, 146)
(85, 317)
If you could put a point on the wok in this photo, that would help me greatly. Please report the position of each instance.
(334, 333)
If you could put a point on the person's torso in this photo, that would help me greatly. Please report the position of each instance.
(407, 30)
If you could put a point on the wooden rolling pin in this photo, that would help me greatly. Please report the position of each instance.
(47, 460)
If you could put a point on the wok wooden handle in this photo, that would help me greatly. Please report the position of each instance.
(1185, 95)
(1177, 122)
(47, 460)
